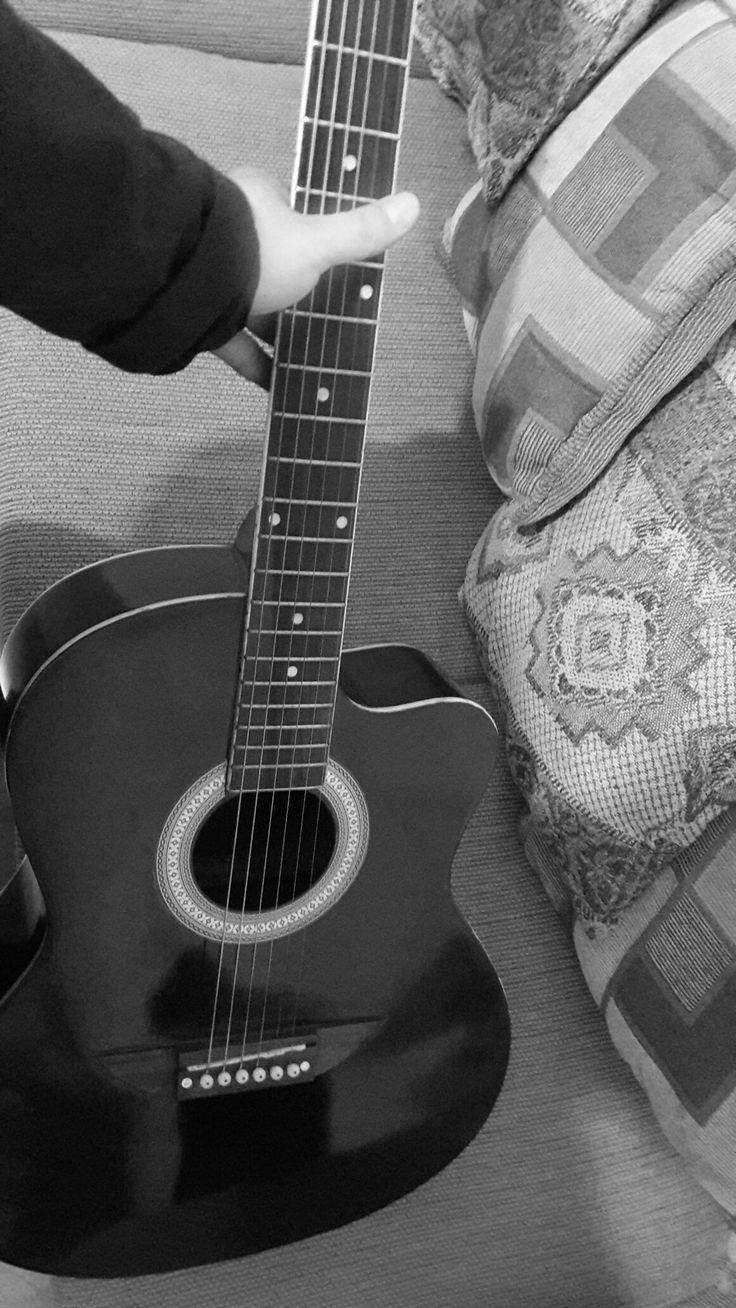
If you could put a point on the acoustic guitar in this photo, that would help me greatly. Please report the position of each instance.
(245, 1008)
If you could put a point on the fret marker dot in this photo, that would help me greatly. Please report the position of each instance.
(274, 519)
(350, 163)
(366, 292)
(323, 394)
(298, 619)
(292, 670)
(342, 522)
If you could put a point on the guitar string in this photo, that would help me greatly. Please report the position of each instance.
(333, 539)
(348, 116)
(360, 119)
(288, 499)
(258, 593)
(310, 601)
(387, 183)
(351, 116)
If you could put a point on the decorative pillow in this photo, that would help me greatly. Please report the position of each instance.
(665, 981)
(608, 270)
(609, 634)
(518, 66)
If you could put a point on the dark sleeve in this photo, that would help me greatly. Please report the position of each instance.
(116, 237)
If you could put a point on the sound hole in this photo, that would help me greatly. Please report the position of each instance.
(283, 842)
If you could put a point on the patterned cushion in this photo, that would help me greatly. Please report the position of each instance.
(608, 270)
(609, 633)
(519, 67)
(666, 983)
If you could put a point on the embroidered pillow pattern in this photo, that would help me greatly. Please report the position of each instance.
(609, 634)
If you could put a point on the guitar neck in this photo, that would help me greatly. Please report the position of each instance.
(347, 153)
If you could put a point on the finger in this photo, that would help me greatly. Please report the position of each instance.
(359, 233)
(245, 356)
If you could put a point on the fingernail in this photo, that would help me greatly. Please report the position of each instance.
(402, 209)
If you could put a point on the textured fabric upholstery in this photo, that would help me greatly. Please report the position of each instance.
(266, 31)
(570, 1197)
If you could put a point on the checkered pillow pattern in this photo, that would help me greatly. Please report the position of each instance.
(608, 270)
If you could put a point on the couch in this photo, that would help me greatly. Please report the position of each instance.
(570, 1197)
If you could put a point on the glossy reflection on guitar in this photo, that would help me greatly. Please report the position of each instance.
(247, 1009)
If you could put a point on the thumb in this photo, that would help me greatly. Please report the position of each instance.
(355, 234)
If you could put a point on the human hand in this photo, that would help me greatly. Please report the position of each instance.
(295, 249)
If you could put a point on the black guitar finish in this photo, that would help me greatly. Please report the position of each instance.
(246, 1008)
(103, 1171)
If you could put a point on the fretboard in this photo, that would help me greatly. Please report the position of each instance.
(355, 83)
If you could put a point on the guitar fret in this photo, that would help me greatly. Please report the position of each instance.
(317, 746)
(284, 651)
(309, 540)
(297, 572)
(337, 318)
(352, 127)
(322, 463)
(286, 632)
(337, 504)
(325, 369)
(363, 54)
(296, 726)
(349, 199)
(301, 658)
(314, 417)
(321, 604)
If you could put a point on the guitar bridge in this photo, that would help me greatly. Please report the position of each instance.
(204, 1074)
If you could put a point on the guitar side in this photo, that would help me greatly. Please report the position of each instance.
(103, 1171)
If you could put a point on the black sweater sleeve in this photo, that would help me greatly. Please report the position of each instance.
(111, 235)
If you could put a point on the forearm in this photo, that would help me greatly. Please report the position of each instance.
(116, 237)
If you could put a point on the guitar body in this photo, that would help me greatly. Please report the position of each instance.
(120, 684)
(245, 1007)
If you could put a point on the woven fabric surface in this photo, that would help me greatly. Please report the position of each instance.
(666, 985)
(519, 68)
(569, 1197)
(609, 632)
(263, 31)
